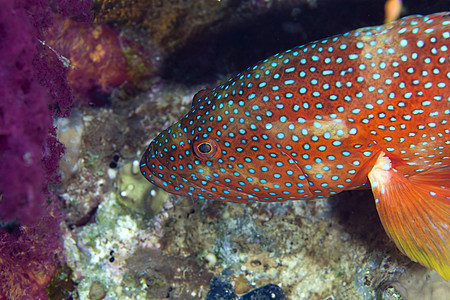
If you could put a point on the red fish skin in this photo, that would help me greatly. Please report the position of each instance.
(397, 78)
(325, 117)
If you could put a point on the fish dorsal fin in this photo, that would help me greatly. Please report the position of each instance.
(199, 97)
(415, 212)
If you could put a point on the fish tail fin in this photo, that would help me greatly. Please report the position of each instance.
(415, 212)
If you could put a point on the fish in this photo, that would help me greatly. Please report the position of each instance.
(365, 109)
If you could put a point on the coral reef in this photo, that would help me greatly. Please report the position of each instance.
(207, 37)
(97, 58)
(166, 275)
(34, 90)
(29, 257)
(172, 23)
(62, 285)
(123, 245)
(29, 150)
(69, 133)
(196, 40)
(220, 288)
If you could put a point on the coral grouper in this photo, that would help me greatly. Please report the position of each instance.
(366, 108)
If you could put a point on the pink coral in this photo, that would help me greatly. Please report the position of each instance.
(24, 118)
(34, 89)
(29, 257)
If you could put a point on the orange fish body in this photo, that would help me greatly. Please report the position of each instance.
(366, 108)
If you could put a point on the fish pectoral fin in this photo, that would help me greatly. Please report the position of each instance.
(436, 180)
(414, 214)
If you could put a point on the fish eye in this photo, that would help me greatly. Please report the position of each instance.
(206, 149)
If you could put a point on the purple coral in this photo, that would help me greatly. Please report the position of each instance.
(29, 257)
(24, 118)
(33, 89)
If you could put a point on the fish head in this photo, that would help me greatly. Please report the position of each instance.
(215, 153)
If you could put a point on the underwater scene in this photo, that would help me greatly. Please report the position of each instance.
(223, 149)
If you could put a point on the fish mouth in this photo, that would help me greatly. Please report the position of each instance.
(150, 174)
(154, 179)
